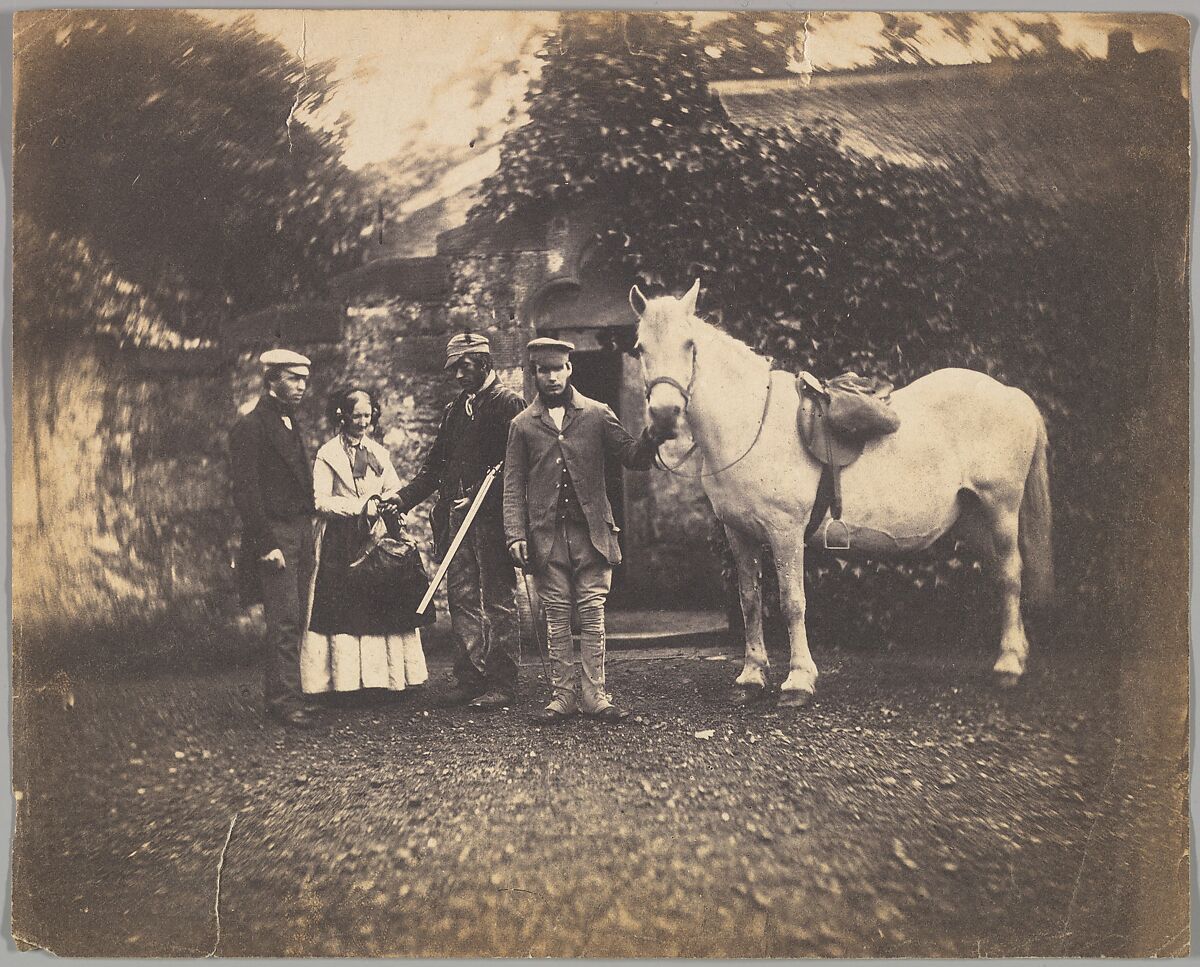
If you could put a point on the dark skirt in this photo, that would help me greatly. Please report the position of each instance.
(364, 600)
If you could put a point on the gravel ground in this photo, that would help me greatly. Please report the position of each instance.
(911, 810)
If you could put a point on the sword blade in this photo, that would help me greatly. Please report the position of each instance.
(472, 511)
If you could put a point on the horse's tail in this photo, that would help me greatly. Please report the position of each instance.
(1037, 554)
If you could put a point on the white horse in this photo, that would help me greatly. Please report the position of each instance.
(970, 454)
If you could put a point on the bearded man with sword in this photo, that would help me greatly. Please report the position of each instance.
(481, 582)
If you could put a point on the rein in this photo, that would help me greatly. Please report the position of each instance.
(687, 399)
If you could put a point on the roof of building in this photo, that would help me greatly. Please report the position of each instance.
(302, 323)
(483, 236)
(1053, 128)
(424, 279)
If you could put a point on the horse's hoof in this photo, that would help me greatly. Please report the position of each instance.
(1006, 680)
(741, 695)
(795, 698)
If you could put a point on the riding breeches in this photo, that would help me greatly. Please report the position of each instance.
(575, 573)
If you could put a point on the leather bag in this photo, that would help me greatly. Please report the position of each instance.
(387, 563)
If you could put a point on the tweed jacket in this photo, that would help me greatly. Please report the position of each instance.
(272, 481)
(591, 435)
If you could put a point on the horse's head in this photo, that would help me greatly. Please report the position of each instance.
(667, 350)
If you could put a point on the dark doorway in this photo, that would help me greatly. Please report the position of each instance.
(597, 374)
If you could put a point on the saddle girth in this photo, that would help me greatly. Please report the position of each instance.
(835, 420)
(829, 487)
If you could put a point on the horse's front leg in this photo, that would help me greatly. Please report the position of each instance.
(801, 682)
(751, 684)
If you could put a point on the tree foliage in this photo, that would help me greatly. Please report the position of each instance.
(762, 43)
(830, 261)
(178, 149)
(87, 294)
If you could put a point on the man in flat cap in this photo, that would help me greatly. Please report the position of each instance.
(273, 492)
(480, 583)
(559, 523)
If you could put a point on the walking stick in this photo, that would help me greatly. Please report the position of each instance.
(535, 618)
(472, 511)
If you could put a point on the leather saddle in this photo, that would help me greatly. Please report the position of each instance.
(836, 419)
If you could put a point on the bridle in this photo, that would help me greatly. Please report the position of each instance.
(686, 393)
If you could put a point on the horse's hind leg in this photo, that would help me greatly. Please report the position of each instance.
(747, 555)
(1014, 646)
(801, 682)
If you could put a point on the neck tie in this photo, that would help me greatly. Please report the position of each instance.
(285, 411)
(361, 459)
(359, 462)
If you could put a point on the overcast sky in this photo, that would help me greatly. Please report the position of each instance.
(438, 77)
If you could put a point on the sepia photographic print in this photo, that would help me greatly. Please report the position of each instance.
(600, 484)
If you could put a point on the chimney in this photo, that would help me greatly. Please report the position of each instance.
(1121, 51)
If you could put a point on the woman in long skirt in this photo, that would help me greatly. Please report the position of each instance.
(358, 640)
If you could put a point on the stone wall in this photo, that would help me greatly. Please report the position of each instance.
(120, 497)
(121, 500)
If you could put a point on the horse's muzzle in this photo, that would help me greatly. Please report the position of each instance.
(664, 417)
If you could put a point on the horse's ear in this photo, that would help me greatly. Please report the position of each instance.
(693, 295)
(637, 300)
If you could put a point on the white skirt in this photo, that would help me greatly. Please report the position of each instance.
(343, 663)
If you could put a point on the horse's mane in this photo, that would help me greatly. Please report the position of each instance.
(665, 311)
(724, 341)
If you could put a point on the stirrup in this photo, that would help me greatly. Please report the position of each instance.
(844, 545)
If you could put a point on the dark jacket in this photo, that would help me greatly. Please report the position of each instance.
(272, 480)
(591, 435)
(465, 448)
